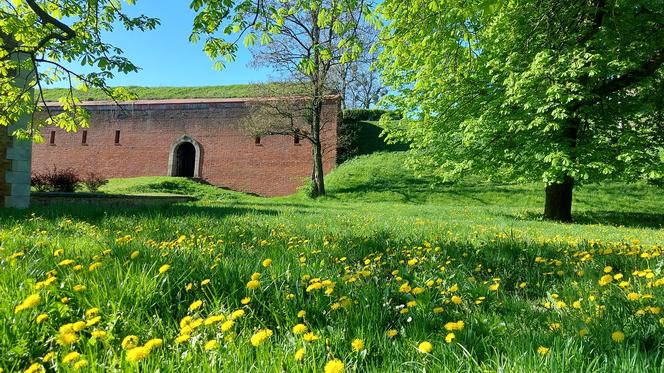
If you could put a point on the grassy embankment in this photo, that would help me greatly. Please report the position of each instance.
(384, 252)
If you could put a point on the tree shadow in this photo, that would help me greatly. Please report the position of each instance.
(628, 219)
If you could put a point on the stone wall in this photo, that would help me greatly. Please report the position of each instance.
(150, 130)
(15, 161)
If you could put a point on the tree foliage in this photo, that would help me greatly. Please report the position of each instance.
(40, 39)
(557, 91)
(302, 38)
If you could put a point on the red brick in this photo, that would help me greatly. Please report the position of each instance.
(147, 131)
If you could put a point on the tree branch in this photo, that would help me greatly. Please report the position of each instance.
(644, 71)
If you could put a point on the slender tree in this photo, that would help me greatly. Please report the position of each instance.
(303, 38)
(566, 92)
(38, 41)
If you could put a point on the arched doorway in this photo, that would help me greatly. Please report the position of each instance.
(185, 159)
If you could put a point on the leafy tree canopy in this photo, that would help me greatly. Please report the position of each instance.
(37, 40)
(557, 91)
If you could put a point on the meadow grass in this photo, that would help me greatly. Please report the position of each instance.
(158, 93)
(383, 252)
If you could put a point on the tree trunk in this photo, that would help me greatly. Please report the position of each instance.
(558, 204)
(316, 149)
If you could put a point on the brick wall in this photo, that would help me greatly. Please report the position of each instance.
(148, 130)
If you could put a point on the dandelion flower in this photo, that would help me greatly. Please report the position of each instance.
(164, 268)
(72, 356)
(211, 345)
(34, 368)
(67, 339)
(334, 366)
(633, 296)
(299, 354)
(405, 288)
(195, 305)
(299, 329)
(253, 284)
(80, 287)
(392, 333)
(260, 336)
(456, 299)
(227, 325)
(182, 338)
(237, 314)
(129, 342)
(41, 318)
(494, 286)
(543, 351)
(618, 336)
(93, 321)
(583, 332)
(452, 326)
(154, 343)
(267, 262)
(449, 338)
(137, 353)
(245, 300)
(302, 314)
(425, 347)
(48, 357)
(99, 334)
(80, 364)
(29, 302)
(134, 254)
(78, 326)
(357, 345)
(310, 337)
(205, 282)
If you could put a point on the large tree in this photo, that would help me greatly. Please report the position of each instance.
(39, 42)
(565, 92)
(303, 38)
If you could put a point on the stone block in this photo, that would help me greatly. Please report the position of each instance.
(17, 202)
(20, 151)
(17, 177)
(21, 166)
(20, 190)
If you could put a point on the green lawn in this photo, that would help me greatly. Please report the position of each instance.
(146, 93)
(382, 252)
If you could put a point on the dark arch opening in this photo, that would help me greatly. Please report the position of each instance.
(185, 158)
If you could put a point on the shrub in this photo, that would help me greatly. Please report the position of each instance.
(65, 180)
(57, 180)
(93, 182)
(40, 182)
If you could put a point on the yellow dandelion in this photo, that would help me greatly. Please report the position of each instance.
(81, 364)
(494, 286)
(67, 339)
(245, 300)
(334, 366)
(310, 337)
(70, 357)
(392, 333)
(583, 332)
(633, 296)
(78, 326)
(41, 318)
(182, 338)
(129, 342)
(227, 325)
(618, 336)
(405, 288)
(164, 268)
(267, 262)
(195, 305)
(456, 299)
(137, 353)
(205, 282)
(449, 338)
(253, 284)
(452, 326)
(99, 334)
(80, 287)
(211, 345)
(301, 314)
(48, 357)
(154, 343)
(94, 266)
(543, 351)
(93, 321)
(237, 314)
(30, 302)
(299, 329)
(34, 368)
(260, 336)
(299, 354)
(425, 347)
(357, 345)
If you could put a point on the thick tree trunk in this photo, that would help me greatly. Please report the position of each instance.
(558, 204)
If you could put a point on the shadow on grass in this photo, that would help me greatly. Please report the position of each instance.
(628, 219)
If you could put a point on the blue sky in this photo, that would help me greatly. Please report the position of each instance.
(166, 56)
